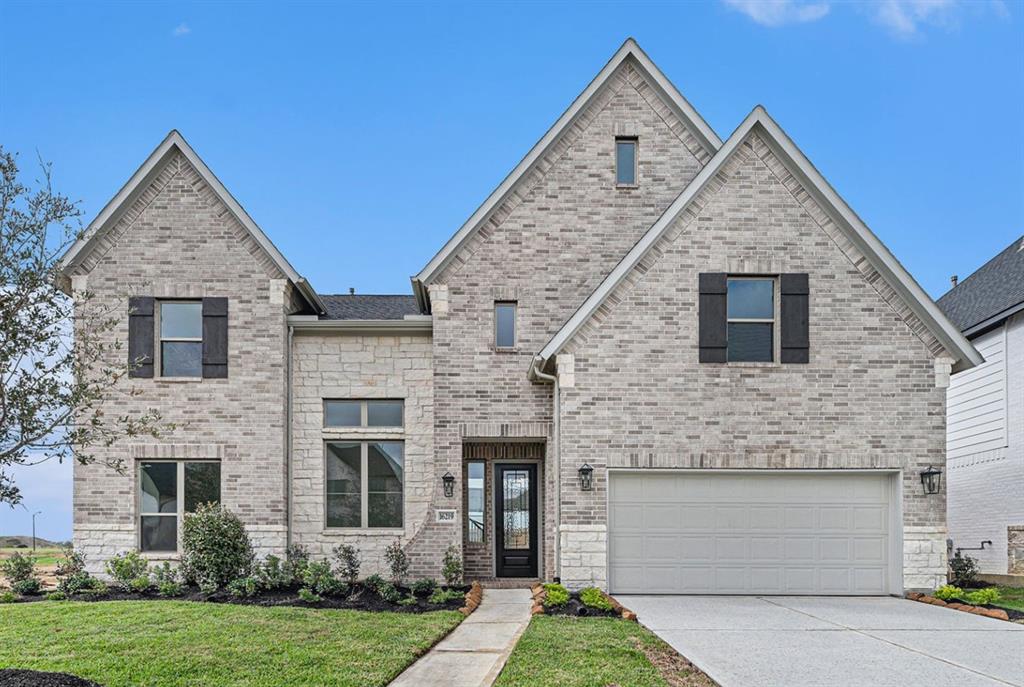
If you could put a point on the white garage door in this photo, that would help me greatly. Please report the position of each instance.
(751, 533)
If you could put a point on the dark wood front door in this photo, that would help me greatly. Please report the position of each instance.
(515, 520)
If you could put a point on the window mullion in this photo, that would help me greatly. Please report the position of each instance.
(181, 502)
(365, 483)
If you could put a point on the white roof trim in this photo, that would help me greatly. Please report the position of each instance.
(859, 233)
(110, 212)
(708, 138)
(412, 326)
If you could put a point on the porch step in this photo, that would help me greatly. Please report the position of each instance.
(507, 582)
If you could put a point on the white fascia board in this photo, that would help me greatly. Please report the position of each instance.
(137, 182)
(708, 138)
(872, 248)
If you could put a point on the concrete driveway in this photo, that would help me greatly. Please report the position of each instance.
(824, 641)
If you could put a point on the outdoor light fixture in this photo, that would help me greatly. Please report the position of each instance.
(586, 477)
(449, 484)
(931, 479)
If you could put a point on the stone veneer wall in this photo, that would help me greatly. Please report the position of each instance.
(335, 366)
(869, 398)
(1015, 550)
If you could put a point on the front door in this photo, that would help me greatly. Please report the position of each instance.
(515, 520)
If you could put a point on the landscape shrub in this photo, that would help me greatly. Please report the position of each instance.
(168, 588)
(273, 575)
(27, 587)
(7, 597)
(94, 588)
(125, 568)
(397, 560)
(557, 595)
(451, 567)
(215, 547)
(407, 601)
(321, 580)
(309, 596)
(296, 558)
(348, 562)
(443, 596)
(18, 568)
(244, 587)
(374, 582)
(424, 587)
(592, 596)
(57, 596)
(141, 584)
(71, 575)
(949, 591)
(389, 592)
(165, 579)
(982, 597)
(963, 570)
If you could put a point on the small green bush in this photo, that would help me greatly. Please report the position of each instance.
(309, 596)
(94, 589)
(273, 574)
(215, 547)
(424, 587)
(348, 562)
(374, 582)
(982, 597)
(389, 593)
(71, 575)
(141, 584)
(962, 570)
(125, 568)
(407, 601)
(451, 567)
(57, 596)
(168, 588)
(397, 560)
(295, 561)
(164, 573)
(592, 596)
(26, 587)
(557, 595)
(18, 568)
(949, 591)
(443, 596)
(244, 587)
(7, 597)
(319, 578)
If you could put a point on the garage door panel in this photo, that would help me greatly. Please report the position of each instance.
(759, 533)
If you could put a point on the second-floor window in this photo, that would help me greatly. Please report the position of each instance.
(366, 413)
(505, 324)
(181, 338)
(625, 162)
(751, 319)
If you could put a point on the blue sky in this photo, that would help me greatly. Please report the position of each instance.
(360, 136)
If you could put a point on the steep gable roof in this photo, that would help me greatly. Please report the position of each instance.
(839, 212)
(173, 144)
(706, 138)
(993, 293)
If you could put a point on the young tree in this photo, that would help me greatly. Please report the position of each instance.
(57, 362)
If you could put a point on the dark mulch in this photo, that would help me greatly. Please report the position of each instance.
(360, 598)
(12, 677)
(577, 608)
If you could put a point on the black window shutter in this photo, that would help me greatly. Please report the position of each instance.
(712, 338)
(215, 338)
(795, 337)
(141, 330)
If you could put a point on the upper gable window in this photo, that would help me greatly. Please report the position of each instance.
(181, 339)
(625, 161)
(505, 324)
(751, 319)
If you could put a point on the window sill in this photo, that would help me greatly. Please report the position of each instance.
(504, 349)
(626, 187)
(365, 531)
(737, 363)
(160, 555)
(178, 380)
(364, 432)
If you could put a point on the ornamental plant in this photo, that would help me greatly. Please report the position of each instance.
(592, 597)
(451, 567)
(982, 597)
(18, 568)
(125, 568)
(557, 595)
(215, 547)
(349, 562)
(949, 591)
(397, 560)
(963, 570)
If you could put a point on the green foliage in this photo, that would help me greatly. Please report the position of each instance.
(168, 588)
(94, 589)
(374, 582)
(18, 567)
(320, 579)
(592, 596)
(71, 575)
(949, 591)
(244, 587)
(7, 597)
(407, 601)
(125, 568)
(397, 560)
(349, 562)
(57, 596)
(963, 570)
(215, 547)
(309, 596)
(296, 558)
(557, 595)
(443, 596)
(164, 573)
(389, 592)
(982, 597)
(273, 574)
(451, 567)
(424, 587)
(27, 587)
(208, 587)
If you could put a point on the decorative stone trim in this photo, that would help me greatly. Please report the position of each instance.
(474, 597)
(1015, 549)
(177, 451)
(502, 430)
(956, 606)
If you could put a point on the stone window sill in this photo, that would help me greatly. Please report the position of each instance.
(626, 186)
(365, 531)
(178, 380)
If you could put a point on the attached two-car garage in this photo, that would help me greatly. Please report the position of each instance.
(777, 532)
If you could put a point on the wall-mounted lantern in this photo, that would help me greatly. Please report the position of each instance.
(931, 480)
(449, 484)
(586, 477)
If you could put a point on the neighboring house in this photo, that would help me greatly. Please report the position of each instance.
(985, 416)
(652, 360)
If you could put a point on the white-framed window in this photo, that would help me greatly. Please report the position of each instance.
(505, 324)
(626, 161)
(750, 320)
(365, 484)
(168, 489)
(363, 413)
(181, 338)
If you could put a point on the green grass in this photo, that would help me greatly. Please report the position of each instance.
(1011, 597)
(589, 652)
(180, 643)
(42, 556)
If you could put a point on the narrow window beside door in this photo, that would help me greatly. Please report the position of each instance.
(475, 505)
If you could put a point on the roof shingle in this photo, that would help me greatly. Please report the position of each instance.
(368, 307)
(995, 287)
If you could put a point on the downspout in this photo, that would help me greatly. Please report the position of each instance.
(536, 373)
(288, 439)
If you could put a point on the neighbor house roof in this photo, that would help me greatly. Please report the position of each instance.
(708, 139)
(368, 307)
(858, 233)
(990, 295)
(175, 142)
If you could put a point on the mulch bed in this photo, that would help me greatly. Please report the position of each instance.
(360, 598)
(573, 607)
(12, 677)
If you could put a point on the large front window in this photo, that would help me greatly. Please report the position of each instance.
(365, 484)
(168, 490)
(751, 320)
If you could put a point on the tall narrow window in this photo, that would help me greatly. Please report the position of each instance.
(167, 491)
(625, 161)
(751, 320)
(475, 505)
(181, 339)
(505, 324)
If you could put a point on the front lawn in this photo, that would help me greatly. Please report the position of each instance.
(180, 643)
(1011, 597)
(583, 652)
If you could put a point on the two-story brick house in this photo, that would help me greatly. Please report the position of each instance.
(652, 360)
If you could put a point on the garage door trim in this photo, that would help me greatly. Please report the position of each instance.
(895, 579)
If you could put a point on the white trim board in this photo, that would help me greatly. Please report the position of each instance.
(846, 219)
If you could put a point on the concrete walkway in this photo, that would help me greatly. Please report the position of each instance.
(841, 641)
(475, 652)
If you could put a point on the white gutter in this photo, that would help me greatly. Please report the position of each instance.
(534, 374)
(412, 326)
(288, 438)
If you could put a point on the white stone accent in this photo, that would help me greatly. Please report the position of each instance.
(924, 558)
(943, 368)
(101, 541)
(584, 556)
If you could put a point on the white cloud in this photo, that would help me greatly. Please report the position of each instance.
(780, 12)
(181, 29)
(904, 18)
